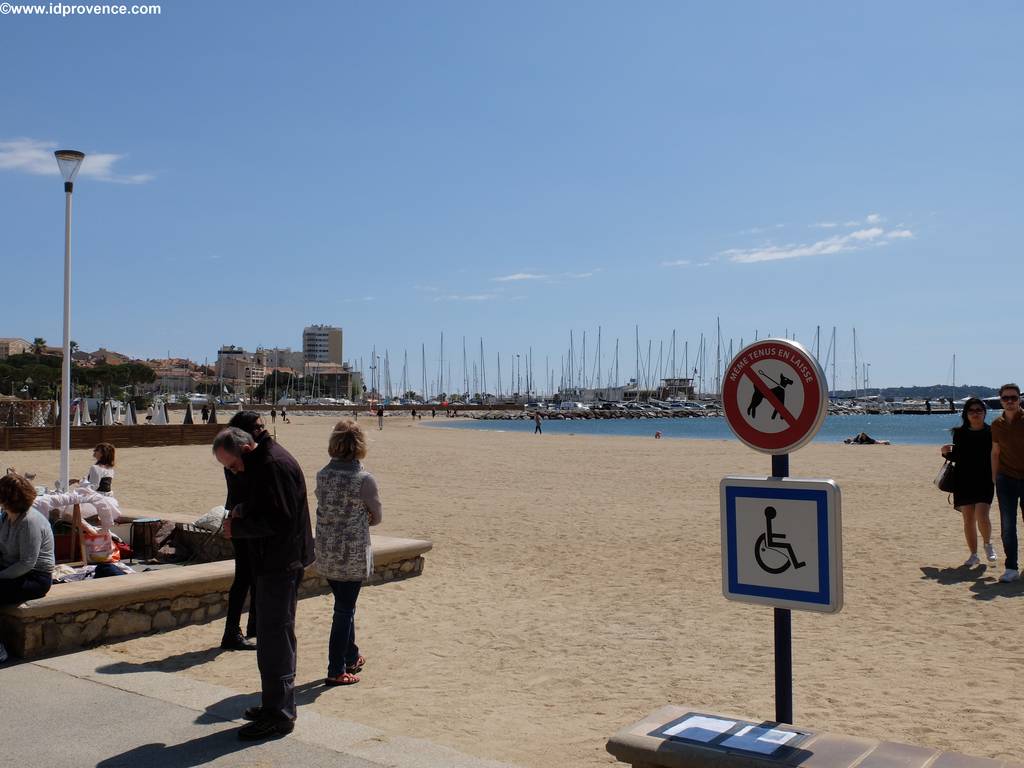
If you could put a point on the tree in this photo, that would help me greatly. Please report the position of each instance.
(74, 347)
(38, 345)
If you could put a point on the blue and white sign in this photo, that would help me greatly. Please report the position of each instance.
(782, 543)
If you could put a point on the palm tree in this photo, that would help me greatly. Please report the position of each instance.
(74, 347)
(38, 345)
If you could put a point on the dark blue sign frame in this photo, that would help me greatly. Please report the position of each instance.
(820, 498)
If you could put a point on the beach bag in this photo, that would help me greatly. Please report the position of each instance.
(100, 547)
(944, 480)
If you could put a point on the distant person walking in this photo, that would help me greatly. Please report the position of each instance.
(380, 416)
(273, 518)
(205, 414)
(284, 415)
(273, 415)
(536, 424)
(971, 452)
(1008, 472)
(348, 503)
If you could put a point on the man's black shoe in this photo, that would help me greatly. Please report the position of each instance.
(236, 642)
(267, 728)
(253, 713)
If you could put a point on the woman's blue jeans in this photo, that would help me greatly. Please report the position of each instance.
(1010, 493)
(342, 649)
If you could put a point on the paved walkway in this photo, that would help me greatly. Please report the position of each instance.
(85, 710)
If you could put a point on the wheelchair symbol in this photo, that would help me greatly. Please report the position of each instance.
(771, 550)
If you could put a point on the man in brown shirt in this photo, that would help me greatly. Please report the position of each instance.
(1008, 472)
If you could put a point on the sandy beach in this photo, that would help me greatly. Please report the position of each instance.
(575, 585)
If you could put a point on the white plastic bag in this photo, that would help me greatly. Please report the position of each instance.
(212, 520)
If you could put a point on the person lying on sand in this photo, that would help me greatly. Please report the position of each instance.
(863, 438)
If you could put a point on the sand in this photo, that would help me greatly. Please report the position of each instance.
(575, 586)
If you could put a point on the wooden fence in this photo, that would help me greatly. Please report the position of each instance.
(121, 436)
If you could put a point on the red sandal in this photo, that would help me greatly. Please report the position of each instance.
(345, 678)
(357, 666)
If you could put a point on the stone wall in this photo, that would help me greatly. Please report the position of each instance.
(31, 637)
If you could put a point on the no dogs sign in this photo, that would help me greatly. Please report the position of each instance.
(774, 395)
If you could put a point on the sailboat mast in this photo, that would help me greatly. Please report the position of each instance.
(718, 357)
(616, 361)
(855, 363)
(637, 355)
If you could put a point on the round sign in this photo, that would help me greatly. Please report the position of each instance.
(774, 395)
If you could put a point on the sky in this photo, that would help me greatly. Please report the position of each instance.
(514, 172)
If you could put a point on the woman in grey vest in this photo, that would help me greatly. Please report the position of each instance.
(348, 503)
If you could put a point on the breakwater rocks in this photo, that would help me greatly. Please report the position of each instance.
(582, 415)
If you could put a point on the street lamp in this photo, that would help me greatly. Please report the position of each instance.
(69, 161)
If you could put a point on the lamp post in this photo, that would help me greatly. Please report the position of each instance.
(69, 161)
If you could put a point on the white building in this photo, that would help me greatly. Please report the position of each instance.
(321, 344)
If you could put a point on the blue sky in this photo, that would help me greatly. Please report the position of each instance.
(514, 171)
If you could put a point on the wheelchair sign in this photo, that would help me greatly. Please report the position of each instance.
(782, 543)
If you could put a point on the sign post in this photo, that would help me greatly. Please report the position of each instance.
(775, 398)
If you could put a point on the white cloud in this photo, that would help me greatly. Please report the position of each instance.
(826, 224)
(873, 218)
(36, 157)
(579, 275)
(467, 297)
(677, 263)
(836, 244)
(517, 276)
(359, 299)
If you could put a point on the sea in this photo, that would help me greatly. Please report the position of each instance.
(900, 429)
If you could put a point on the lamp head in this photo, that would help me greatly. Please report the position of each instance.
(69, 160)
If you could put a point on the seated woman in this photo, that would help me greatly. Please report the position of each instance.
(26, 545)
(101, 474)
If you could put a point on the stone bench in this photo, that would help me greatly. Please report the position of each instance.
(672, 738)
(86, 613)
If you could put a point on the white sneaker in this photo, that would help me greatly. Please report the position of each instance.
(990, 553)
(3, 653)
(1009, 575)
(972, 561)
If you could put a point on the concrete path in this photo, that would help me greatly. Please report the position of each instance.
(87, 710)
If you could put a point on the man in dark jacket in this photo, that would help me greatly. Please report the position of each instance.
(243, 585)
(273, 518)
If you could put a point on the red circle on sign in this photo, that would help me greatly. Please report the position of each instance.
(800, 427)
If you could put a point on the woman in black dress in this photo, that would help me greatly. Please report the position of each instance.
(971, 452)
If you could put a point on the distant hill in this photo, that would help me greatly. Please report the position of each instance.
(934, 392)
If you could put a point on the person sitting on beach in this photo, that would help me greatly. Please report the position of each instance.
(101, 474)
(26, 544)
(348, 503)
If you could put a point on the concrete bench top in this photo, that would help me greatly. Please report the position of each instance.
(636, 745)
(112, 593)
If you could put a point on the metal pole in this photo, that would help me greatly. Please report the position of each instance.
(783, 634)
(65, 387)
